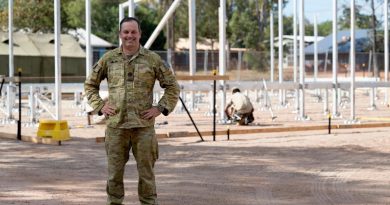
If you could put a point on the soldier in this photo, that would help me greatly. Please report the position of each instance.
(131, 72)
(239, 108)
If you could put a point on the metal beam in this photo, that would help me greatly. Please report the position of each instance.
(222, 53)
(131, 8)
(386, 45)
(11, 38)
(315, 48)
(88, 47)
(57, 58)
(192, 34)
(334, 59)
(272, 48)
(295, 52)
(280, 57)
(11, 68)
(353, 60)
(302, 60)
(162, 23)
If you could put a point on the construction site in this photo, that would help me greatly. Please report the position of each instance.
(319, 135)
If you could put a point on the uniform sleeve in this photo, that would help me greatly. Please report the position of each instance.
(171, 88)
(92, 86)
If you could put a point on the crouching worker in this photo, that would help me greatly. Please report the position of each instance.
(240, 108)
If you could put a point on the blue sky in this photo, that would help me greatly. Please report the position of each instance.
(323, 8)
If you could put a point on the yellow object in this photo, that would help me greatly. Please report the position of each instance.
(54, 129)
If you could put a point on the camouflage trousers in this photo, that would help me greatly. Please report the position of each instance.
(143, 143)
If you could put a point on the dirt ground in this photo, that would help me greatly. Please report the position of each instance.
(349, 166)
(280, 168)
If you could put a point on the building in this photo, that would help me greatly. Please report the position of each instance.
(325, 49)
(99, 45)
(34, 54)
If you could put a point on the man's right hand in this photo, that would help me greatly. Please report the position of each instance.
(108, 110)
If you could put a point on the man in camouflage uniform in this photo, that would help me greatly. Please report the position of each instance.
(131, 72)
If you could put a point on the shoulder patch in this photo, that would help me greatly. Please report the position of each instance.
(96, 67)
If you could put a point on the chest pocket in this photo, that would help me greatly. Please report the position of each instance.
(115, 74)
(145, 76)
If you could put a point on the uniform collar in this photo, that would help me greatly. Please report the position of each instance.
(141, 51)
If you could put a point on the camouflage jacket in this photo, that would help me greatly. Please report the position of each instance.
(130, 86)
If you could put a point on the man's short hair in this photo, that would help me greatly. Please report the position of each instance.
(129, 19)
(236, 90)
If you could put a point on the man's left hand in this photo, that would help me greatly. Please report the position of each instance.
(150, 113)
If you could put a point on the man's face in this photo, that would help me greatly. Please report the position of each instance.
(130, 34)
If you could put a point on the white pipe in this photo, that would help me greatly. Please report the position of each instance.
(369, 61)
(11, 70)
(280, 58)
(121, 16)
(315, 49)
(206, 60)
(192, 38)
(11, 38)
(162, 23)
(57, 59)
(192, 35)
(11, 94)
(88, 48)
(127, 3)
(295, 33)
(239, 65)
(131, 8)
(222, 53)
(386, 43)
(334, 60)
(295, 52)
(353, 60)
(45, 107)
(272, 48)
(32, 105)
(302, 60)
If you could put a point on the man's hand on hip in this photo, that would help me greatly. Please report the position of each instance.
(108, 110)
(150, 113)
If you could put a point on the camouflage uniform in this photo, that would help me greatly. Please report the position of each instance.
(130, 84)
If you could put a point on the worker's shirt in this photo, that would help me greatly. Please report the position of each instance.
(130, 86)
(241, 103)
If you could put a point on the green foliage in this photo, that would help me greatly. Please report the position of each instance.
(207, 18)
(75, 11)
(362, 20)
(3, 4)
(241, 27)
(38, 15)
(256, 60)
(325, 28)
(149, 21)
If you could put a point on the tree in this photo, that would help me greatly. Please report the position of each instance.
(244, 16)
(34, 15)
(325, 28)
(38, 15)
(364, 21)
(148, 16)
